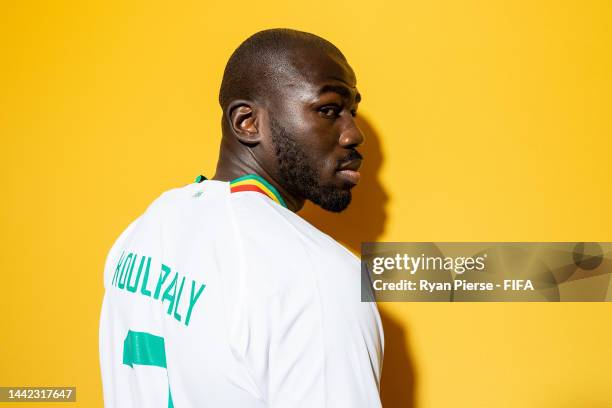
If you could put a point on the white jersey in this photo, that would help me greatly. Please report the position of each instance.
(219, 296)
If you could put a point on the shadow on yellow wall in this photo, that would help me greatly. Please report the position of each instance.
(364, 221)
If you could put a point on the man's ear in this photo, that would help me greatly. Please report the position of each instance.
(244, 122)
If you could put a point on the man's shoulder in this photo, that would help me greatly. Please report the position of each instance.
(281, 232)
(175, 212)
(186, 201)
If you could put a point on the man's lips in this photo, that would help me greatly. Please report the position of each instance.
(353, 165)
(349, 171)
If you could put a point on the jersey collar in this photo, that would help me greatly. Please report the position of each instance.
(253, 182)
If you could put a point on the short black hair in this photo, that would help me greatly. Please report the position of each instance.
(251, 71)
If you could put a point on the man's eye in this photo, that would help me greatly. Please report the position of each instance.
(330, 111)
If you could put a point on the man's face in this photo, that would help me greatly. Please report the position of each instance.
(313, 130)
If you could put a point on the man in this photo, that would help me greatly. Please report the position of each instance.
(219, 295)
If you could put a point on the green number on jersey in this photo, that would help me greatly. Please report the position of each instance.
(145, 349)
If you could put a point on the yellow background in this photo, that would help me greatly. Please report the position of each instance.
(486, 121)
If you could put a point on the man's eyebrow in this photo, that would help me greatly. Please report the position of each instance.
(340, 90)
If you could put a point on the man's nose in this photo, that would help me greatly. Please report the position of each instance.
(351, 136)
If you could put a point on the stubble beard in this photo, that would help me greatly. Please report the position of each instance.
(300, 178)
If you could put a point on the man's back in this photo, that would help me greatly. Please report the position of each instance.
(218, 296)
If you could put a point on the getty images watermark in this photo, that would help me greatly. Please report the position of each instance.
(486, 272)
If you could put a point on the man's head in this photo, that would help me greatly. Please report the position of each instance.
(289, 100)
